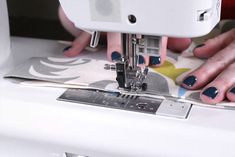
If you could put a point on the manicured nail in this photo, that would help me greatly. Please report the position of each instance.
(190, 81)
(67, 48)
(141, 59)
(233, 90)
(116, 56)
(155, 60)
(198, 46)
(211, 92)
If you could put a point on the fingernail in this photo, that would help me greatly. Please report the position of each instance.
(67, 48)
(190, 81)
(198, 46)
(116, 56)
(211, 92)
(155, 60)
(233, 90)
(141, 59)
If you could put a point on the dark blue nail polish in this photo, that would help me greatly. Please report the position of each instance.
(67, 48)
(141, 59)
(190, 81)
(116, 56)
(233, 90)
(211, 92)
(155, 60)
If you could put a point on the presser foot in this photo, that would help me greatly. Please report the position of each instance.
(128, 78)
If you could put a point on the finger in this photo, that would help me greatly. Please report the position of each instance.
(67, 24)
(158, 61)
(215, 92)
(212, 46)
(211, 68)
(178, 44)
(78, 45)
(114, 51)
(231, 93)
(144, 62)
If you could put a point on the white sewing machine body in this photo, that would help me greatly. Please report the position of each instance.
(4, 31)
(178, 18)
(34, 123)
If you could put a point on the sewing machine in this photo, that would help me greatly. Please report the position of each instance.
(142, 25)
(34, 123)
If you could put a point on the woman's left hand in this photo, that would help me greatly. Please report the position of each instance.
(217, 75)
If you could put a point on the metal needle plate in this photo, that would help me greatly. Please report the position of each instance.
(127, 102)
